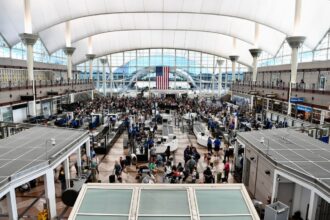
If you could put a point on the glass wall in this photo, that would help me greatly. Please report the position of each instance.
(40, 53)
(200, 66)
(4, 49)
(283, 56)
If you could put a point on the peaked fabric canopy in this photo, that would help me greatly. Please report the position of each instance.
(203, 25)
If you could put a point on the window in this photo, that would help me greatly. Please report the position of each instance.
(322, 82)
(4, 48)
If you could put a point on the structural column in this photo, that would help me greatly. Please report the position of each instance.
(11, 203)
(79, 162)
(275, 187)
(233, 67)
(85, 76)
(174, 78)
(200, 82)
(175, 69)
(88, 149)
(71, 97)
(294, 42)
(98, 76)
(312, 205)
(255, 53)
(50, 193)
(226, 77)
(212, 87)
(29, 40)
(220, 63)
(150, 71)
(323, 113)
(252, 102)
(104, 61)
(90, 57)
(66, 165)
(68, 52)
(112, 85)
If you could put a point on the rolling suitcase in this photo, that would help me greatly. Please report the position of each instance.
(219, 177)
(112, 178)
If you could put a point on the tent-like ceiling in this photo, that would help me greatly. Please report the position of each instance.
(203, 25)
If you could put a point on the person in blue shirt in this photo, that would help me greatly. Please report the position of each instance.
(130, 131)
(209, 123)
(217, 144)
(126, 123)
(133, 131)
(209, 145)
(150, 143)
(213, 126)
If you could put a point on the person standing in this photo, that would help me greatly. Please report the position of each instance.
(217, 144)
(208, 178)
(209, 145)
(187, 153)
(153, 153)
(61, 178)
(168, 153)
(226, 170)
(117, 170)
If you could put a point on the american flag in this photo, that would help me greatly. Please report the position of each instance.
(162, 77)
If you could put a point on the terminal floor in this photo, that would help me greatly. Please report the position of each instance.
(128, 176)
(106, 166)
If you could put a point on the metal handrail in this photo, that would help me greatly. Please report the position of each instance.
(299, 87)
(41, 83)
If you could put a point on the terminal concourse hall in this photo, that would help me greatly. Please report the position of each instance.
(165, 109)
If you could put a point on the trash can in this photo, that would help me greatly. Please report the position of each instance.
(277, 211)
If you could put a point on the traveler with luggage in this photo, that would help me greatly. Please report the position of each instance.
(118, 170)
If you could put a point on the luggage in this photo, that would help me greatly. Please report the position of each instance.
(219, 177)
(112, 178)
(33, 183)
(128, 161)
(120, 179)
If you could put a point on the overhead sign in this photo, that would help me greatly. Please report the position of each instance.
(304, 108)
(271, 95)
(296, 99)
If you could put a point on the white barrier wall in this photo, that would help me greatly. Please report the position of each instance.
(19, 115)
(183, 85)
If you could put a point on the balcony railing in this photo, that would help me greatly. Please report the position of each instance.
(297, 87)
(17, 85)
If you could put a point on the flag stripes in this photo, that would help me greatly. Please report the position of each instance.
(162, 77)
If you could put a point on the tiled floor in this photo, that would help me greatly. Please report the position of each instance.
(106, 167)
(107, 163)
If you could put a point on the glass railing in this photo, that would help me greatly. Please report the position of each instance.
(302, 87)
(43, 83)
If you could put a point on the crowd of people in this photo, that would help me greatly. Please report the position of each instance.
(136, 112)
(163, 164)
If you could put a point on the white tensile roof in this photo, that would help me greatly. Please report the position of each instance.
(203, 25)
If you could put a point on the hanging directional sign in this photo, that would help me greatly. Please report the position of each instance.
(296, 99)
(304, 108)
